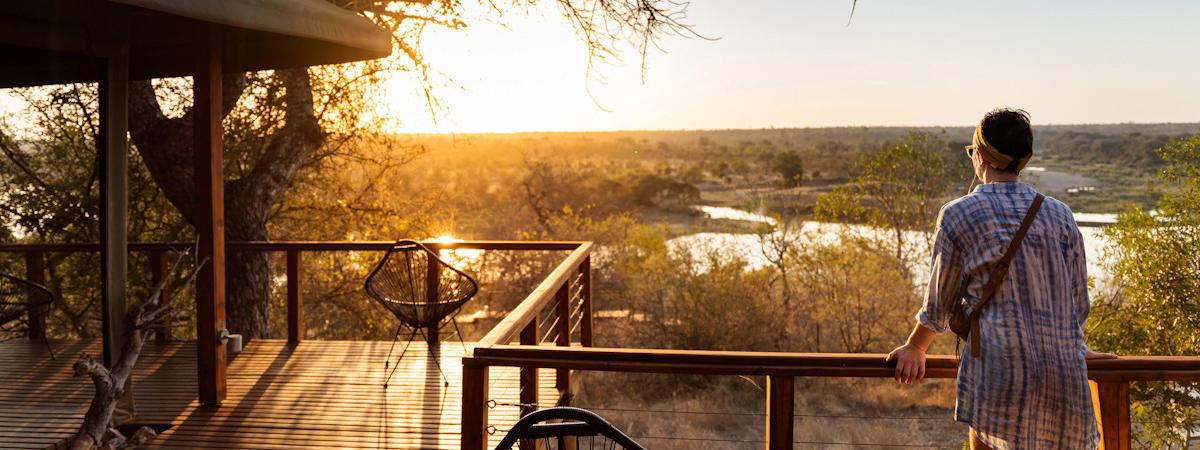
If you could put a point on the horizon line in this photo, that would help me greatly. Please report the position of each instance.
(767, 128)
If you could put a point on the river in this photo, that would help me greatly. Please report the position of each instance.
(749, 247)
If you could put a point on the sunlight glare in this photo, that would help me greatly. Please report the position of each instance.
(461, 258)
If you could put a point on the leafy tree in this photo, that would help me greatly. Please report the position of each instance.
(859, 295)
(790, 167)
(1154, 259)
(899, 188)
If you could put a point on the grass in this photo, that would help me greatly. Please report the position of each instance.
(686, 412)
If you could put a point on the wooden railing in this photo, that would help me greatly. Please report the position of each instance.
(159, 260)
(1109, 378)
(559, 311)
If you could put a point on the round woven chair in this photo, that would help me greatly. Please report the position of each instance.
(420, 289)
(18, 297)
(574, 428)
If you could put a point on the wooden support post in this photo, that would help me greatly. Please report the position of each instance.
(562, 310)
(159, 267)
(585, 326)
(209, 214)
(781, 392)
(474, 408)
(114, 198)
(1111, 402)
(433, 274)
(529, 379)
(295, 298)
(35, 271)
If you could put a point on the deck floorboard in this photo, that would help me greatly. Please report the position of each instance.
(320, 394)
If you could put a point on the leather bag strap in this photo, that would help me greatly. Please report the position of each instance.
(1000, 270)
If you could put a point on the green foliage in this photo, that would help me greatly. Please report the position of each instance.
(49, 193)
(696, 299)
(790, 168)
(861, 297)
(1154, 258)
(899, 187)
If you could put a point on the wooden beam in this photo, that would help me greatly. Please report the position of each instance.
(585, 327)
(1111, 402)
(529, 380)
(781, 391)
(295, 298)
(562, 310)
(209, 214)
(433, 274)
(114, 196)
(474, 408)
(35, 272)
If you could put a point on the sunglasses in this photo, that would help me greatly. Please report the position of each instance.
(970, 151)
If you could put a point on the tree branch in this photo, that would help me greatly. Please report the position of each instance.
(165, 143)
(97, 429)
(286, 152)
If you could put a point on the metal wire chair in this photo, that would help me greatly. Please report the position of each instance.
(18, 297)
(581, 429)
(419, 289)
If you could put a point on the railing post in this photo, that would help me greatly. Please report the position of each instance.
(529, 378)
(158, 270)
(433, 274)
(295, 298)
(35, 271)
(474, 408)
(780, 406)
(1111, 400)
(585, 327)
(562, 310)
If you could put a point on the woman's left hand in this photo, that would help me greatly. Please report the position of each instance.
(1089, 354)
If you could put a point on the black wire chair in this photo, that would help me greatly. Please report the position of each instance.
(18, 297)
(584, 427)
(421, 290)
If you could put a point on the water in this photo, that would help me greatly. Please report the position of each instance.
(749, 246)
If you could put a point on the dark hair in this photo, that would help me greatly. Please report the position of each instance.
(1008, 130)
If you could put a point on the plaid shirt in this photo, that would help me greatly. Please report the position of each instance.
(1028, 389)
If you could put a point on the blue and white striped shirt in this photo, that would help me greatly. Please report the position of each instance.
(1028, 389)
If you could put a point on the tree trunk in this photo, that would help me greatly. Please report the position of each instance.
(165, 144)
(248, 285)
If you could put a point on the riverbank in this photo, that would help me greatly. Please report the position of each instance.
(736, 241)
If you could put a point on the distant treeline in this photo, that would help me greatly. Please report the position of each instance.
(823, 148)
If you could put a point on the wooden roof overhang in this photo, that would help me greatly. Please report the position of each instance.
(60, 41)
(114, 41)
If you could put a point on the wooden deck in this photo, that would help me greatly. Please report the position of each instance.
(321, 394)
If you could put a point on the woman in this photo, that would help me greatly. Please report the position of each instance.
(1028, 388)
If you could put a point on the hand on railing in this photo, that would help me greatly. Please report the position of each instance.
(1089, 354)
(910, 363)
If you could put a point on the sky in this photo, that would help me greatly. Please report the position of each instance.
(788, 63)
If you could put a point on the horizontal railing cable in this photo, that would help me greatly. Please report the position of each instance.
(760, 441)
(729, 413)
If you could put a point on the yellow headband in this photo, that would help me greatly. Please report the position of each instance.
(992, 156)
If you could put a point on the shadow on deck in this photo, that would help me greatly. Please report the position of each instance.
(320, 394)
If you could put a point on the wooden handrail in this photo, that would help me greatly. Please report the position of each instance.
(512, 324)
(295, 300)
(1109, 378)
(872, 365)
(307, 246)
